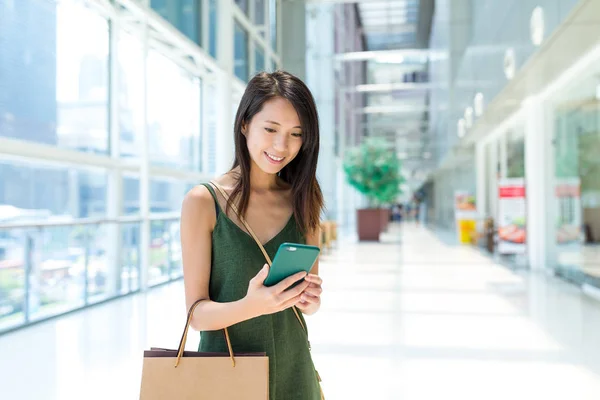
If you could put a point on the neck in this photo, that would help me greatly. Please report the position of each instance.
(260, 180)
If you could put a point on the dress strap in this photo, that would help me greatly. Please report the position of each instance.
(214, 195)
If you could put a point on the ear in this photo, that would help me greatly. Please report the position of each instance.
(244, 128)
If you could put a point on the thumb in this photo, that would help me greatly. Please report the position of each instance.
(262, 274)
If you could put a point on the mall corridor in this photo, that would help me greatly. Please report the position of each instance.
(413, 318)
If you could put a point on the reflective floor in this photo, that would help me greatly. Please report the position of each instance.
(415, 318)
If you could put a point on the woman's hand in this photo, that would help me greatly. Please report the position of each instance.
(262, 300)
(310, 299)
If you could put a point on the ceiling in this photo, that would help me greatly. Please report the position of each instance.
(403, 118)
(389, 25)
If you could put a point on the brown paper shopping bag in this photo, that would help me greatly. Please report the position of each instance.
(183, 375)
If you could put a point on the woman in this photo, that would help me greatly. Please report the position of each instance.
(273, 183)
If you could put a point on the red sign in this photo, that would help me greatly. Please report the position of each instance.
(566, 190)
(512, 191)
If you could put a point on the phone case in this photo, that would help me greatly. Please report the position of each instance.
(291, 258)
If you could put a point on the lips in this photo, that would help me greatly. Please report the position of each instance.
(274, 159)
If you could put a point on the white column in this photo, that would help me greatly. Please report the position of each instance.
(480, 171)
(321, 81)
(225, 145)
(145, 176)
(115, 193)
(539, 172)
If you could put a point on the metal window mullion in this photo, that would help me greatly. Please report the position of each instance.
(245, 23)
(169, 34)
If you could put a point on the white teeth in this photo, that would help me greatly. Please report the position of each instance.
(273, 157)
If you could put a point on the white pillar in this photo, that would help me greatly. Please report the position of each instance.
(539, 173)
(225, 145)
(115, 192)
(145, 175)
(480, 171)
(321, 81)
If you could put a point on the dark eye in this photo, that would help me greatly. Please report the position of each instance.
(297, 134)
(270, 130)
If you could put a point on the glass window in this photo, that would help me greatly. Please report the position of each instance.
(577, 190)
(54, 75)
(259, 15)
(173, 114)
(259, 59)
(167, 195)
(212, 27)
(131, 94)
(241, 53)
(515, 154)
(34, 192)
(131, 195)
(130, 258)
(243, 5)
(165, 252)
(273, 23)
(57, 258)
(12, 278)
(182, 14)
(189, 17)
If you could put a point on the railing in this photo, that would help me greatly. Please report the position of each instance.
(51, 267)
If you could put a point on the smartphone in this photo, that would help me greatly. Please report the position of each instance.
(290, 259)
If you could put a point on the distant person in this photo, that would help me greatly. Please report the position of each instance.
(417, 212)
(273, 184)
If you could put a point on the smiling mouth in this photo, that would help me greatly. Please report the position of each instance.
(274, 159)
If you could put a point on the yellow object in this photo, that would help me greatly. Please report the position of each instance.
(467, 230)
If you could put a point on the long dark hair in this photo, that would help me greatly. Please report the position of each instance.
(301, 172)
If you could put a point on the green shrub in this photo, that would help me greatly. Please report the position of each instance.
(373, 168)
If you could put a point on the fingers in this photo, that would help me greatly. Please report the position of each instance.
(294, 292)
(309, 299)
(314, 291)
(289, 281)
(291, 302)
(316, 279)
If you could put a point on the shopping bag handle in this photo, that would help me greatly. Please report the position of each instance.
(181, 348)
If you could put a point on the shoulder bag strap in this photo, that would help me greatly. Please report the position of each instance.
(251, 232)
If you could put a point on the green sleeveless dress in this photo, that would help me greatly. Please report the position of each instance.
(236, 259)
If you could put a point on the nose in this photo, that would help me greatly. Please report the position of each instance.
(280, 142)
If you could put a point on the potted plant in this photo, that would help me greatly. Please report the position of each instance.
(373, 168)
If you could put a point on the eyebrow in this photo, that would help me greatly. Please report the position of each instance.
(277, 123)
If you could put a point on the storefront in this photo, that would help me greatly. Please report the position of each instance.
(539, 178)
(575, 115)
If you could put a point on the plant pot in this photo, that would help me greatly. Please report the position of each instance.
(385, 218)
(369, 224)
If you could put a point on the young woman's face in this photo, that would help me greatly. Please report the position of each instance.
(274, 135)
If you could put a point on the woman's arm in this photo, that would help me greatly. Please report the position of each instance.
(198, 218)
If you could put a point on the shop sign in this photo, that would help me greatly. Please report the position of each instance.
(512, 218)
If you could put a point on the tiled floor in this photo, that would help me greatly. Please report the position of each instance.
(415, 320)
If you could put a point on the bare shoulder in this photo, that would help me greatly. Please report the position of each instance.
(227, 181)
(199, 206)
